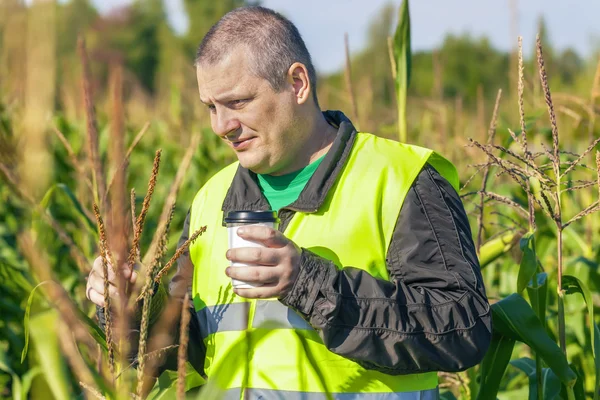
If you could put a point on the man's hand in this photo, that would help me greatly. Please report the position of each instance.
(275, 266)
(95, 283)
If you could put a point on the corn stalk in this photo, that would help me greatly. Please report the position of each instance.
(401, 66)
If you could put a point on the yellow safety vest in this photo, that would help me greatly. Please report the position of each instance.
(262, 348)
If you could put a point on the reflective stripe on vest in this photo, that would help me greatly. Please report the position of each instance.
(230, 317)
(267, 394)
(260, 345)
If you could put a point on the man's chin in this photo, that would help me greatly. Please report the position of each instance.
(253, 165)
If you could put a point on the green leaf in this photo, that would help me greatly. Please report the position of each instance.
(528, 262)
(527, 365)
(4, 366)
(596, 347)
(514, 318)
(572, 285)
(520, 393)
(575, 319)
(550, 385)
(474, 383)
(493, 366)
(16, 387)
(166, 384)
(94, 329)
(16, 381)
(402, 57)
(579, 389)
(48, 353)
(447, 395)
(26, 381)
(62, 188)
(571, 236)
(550, 382)
(538, 295)
(26, 319)
(586, 269)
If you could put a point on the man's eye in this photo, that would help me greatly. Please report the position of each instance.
(238, 102)
(211, 108)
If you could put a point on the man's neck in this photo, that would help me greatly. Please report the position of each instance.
(323, 136)
(319, 141)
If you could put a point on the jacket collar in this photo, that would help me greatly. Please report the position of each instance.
(244, 192)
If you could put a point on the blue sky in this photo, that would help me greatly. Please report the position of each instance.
(322, 23)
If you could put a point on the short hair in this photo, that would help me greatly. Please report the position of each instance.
(274, 41)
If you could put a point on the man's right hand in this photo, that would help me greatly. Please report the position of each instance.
(94, 290)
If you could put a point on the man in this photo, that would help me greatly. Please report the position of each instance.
(371, 284)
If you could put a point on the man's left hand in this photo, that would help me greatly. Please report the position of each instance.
(275, 266)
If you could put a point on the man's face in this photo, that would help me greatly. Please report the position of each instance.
(254, 120)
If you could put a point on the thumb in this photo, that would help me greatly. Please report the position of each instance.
(129, 273)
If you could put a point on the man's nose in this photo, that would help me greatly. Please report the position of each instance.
(223, 122)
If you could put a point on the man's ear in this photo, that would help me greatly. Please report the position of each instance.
(298, 78)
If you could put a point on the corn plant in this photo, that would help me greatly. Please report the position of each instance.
(546, 177)
(535, 244)
(400, 56)
(98, 360)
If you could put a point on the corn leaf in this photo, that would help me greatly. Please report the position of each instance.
(26, 320)
(550, 382)
(596, 347)
(64, 189)
(527, 365)
(550, 385)
(538, 296)
(520, 393)
(573, 285)
(26, 381)
(572, 237)
(447, 395)
(48, 353)
(586, 269)
(528, 262)
(94, 330)
(575, 319)
(494, 365)
(579, 388)
(4, 367)
(166, 384)
(514, 318)
(402, 57)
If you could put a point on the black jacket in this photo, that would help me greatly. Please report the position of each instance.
(433, 314)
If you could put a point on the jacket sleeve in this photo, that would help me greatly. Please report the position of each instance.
(432, 314)
(180, 283)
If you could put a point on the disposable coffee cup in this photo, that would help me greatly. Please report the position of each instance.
(236, 219)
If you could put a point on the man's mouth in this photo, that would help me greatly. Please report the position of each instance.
(240, 144)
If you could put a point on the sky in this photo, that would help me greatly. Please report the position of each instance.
(322, 23)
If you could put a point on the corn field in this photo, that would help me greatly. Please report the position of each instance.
(94, 163)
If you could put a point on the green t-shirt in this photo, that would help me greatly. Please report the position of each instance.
(283, 190)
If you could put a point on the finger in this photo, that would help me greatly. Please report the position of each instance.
(124, 268)
(264, 275)
(97, 284)
(254, 255)
(96, 298)
(263, 292)
(99, 269)
(133, 277)
(264, 235)
(126, 272)
(98, 275)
